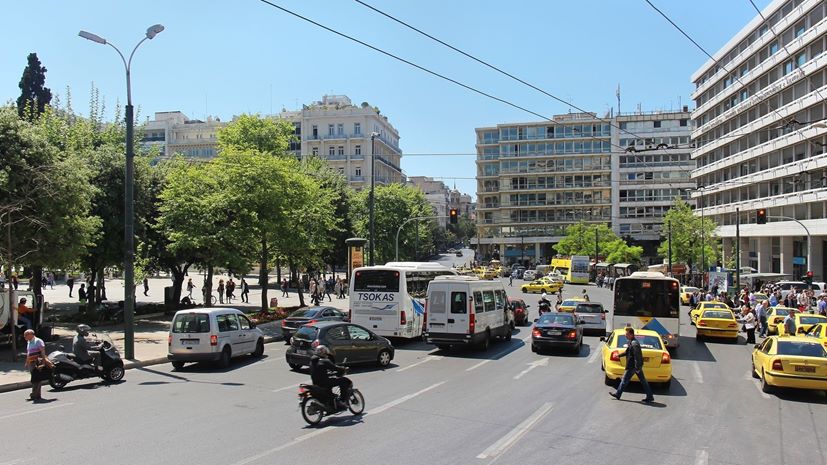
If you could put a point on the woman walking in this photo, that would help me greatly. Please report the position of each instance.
(749, 323)
(220, 291)
(36, 362)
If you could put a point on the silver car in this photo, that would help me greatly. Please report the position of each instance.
(594, 316)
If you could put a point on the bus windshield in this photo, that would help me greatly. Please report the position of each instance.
(646, 297)
(376, 281)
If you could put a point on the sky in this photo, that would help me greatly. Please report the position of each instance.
(224, 58)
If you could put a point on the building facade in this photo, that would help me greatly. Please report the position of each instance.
(173, 132)
(760, 137)
(536, 179)
(442, 198)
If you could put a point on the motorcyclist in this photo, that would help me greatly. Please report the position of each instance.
(320, 373)
(544, 304)
(81, 347)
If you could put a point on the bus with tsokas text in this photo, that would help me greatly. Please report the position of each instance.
(390, 299)
(648, 300)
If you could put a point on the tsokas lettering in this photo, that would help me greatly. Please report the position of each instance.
(376, 297)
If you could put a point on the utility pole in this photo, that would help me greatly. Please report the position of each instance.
(12, 323)
(669, 240)
(372, 194)
(737, 250)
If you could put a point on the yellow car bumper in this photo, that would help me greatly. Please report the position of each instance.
(795, 381)
(660, 374)
(721, 333)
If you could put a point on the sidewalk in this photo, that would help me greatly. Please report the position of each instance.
(150, 348)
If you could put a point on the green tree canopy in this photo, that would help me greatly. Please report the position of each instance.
(252, 132)
(34, 95)
(580, 239)
(689, 236)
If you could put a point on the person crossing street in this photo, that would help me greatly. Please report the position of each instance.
(634, 366)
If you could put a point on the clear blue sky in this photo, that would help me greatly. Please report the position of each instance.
(222, 58)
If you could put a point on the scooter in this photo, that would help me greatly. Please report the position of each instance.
(544, 307)
(108, 365)
(316, 402)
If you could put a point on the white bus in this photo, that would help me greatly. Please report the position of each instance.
(390, 299)
(649, 300)
(579, 271)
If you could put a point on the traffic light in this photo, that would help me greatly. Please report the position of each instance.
(453, 214)
(808, 278)
(761, 215)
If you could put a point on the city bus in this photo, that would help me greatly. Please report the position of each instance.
(390, 299)
(648, 300)
(574, 269)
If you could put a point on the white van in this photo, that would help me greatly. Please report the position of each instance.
(463, 310)
(212, 335)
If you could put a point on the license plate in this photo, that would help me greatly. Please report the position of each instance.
(805, 369)
(646, 359)
(554, 333)
(189, 342)
(375, 318)
(301, 351)
(437, 324)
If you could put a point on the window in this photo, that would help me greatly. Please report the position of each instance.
(330, 130)
(191, 323)
(357, 150)
(331, 150)
(488, 300)
(500, 297)
(657, 124)
(478, 306)
(357, 128)
(337, 333)
(458, 303)
(227, 322)
(358, 171)
(340, 129)
(244, 322)
(358, 334)
(315, 131)
(684, 122)
(436, 304)
(315, 151)
(341, 150)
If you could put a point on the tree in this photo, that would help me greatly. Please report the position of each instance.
(334, 249)
(689, 236)
(252, 132)
(618, 251)
(34, 95)
(580, 238)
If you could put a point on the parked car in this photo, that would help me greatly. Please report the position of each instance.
(212, 335)
(528, 275)
(790, 362)
(557, 330)
(349, 344)
(520, 311)
(301, 317)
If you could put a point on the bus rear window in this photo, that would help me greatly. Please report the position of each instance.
(376, 281)
(648, 298)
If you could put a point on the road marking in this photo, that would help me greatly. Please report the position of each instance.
(757, 384)
(532, 365)
(515, 434)
(595, 355)
(292, 386)
(318, 432)
(701, 457)
(527, 338)
(699, 377)
(425, 360)
(27, 412)
(478, 365)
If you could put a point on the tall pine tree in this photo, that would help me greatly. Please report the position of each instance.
(34, 95)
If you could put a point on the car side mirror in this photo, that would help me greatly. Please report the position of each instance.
(605, 311)
(602, 338)
(536, 320)
(252, 325)
(756, 346)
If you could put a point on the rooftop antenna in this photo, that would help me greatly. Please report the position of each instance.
(618, 98)
(206, 107)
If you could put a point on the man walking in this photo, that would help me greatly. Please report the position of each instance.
(70, 281)
(190, 287)
(634, 366)
(761, 315)
(245, 291)
(146, 286)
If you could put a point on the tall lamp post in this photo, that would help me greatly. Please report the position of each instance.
(129, 214)
(372, 195)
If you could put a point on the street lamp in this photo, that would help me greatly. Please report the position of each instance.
(129, 213)
(372, 179)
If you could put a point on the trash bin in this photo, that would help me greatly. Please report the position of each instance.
(169, 303)
(274, 302)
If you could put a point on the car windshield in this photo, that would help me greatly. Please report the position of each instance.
(556, 318)
(811, 320)
(714, 305)
(781, 311)
(690, 289)
(646, 342)
(589, 308)
(718, 314)
(191, 323)
(304, 313)
(306, 333)
(804, 349)
(570, 303)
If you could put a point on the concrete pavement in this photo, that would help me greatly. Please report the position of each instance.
(431, 406)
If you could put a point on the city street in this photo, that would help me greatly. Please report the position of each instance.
(506, 405)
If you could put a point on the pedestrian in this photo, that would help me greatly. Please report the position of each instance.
(337, 288)
(773, 300)
(803, 301)
(71, 283)
(789, 323)
(220, 291)
(230, 289)
(585, 296)
(311, 288)
(25, 314)
(748, 318)
(634, 366)
(82, 292)
(245, 291)
(103, 289)
(325, 290)
(284, 292)
(51, 278)
(36, 362)
(511, 278)
(146, 286)
(190, 287)
(14, 281)
(761, 316)
(822, 305)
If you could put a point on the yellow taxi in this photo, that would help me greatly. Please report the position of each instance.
(819, 333)
(706, 305)
(544, 284)
(790, 362)
(803, 322)
(775, 317)
(569, 305)
(717, 323)
(657, 363)
(686, 293)
(487, 273)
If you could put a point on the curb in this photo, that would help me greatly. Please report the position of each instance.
(127, 366)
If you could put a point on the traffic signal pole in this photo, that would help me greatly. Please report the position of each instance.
(408, 221)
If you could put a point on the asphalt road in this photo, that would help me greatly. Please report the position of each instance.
(506, 405)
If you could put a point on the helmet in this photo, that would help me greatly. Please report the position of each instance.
(544, 295)
(323, 351)
(83, 329)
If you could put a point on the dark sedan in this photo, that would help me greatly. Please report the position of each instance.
(520, 311)
(350, 344)
(299, 318)
(556, 330)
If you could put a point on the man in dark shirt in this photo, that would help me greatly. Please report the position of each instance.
(320, 373)
(634, 366)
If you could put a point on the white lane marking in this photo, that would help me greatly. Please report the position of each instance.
(699, 377)
(318, 432)
(292, 386)
(532, 365)
(527, 338)
(595, 355)
(425, 360)
(478, 365)
(701, 457)
(27, 412)
(515, 434)
(757, 384)
(14, 462)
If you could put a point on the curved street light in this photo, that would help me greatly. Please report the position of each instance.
(129, 214)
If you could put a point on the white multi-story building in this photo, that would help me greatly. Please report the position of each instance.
(760, 136)
(173, 132)
(340, 132)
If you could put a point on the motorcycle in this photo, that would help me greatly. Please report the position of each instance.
(544, 307)
(314, 407)
(108, 365)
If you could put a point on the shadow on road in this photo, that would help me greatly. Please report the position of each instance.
(495, 351)
(690, 349)
(174, 378)
(801, 396)
(585, 351)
